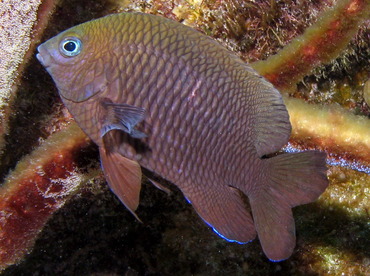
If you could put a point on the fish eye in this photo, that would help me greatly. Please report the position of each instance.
(70, 46)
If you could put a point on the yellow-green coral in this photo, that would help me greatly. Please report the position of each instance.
(349, 191)
(333, 261)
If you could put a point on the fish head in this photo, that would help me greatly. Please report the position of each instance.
(73, 58)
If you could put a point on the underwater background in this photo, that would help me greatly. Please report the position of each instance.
(58, 216)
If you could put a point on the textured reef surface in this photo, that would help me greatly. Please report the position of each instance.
(57, 215)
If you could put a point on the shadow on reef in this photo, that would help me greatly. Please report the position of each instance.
(94, 233)
(333, 227)
(31, 109)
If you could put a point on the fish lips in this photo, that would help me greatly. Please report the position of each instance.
(43, 56)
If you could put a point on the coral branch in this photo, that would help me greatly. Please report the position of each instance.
(331, 129)
(319, 44)
(40, 185)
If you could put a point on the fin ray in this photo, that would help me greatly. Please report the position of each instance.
(299, 177)
(122, 117)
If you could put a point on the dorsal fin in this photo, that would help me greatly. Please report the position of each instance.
(272, 127)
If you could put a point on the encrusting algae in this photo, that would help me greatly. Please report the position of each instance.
(305, 260)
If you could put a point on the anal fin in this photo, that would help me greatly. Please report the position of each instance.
(124, 178)
(222, 208)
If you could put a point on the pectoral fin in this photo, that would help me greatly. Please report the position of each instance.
(123, 176)
(122, 117)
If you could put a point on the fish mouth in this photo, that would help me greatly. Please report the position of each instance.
(43, 56)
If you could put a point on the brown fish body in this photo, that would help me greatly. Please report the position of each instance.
(153, 92)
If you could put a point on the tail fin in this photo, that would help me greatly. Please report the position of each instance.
(288, 180)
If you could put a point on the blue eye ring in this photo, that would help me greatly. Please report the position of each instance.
(70, 46)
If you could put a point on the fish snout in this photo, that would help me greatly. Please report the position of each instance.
(43, 56)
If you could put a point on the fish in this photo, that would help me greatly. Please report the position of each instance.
(153, 93)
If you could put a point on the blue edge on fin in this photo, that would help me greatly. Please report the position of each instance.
(222, 236)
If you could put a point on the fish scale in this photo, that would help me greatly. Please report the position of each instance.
(151, 92)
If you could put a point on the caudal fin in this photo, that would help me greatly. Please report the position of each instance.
(288, 180)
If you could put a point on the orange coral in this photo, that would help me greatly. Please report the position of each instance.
(40, 185)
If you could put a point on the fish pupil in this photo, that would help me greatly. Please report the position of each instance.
(70, 46)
